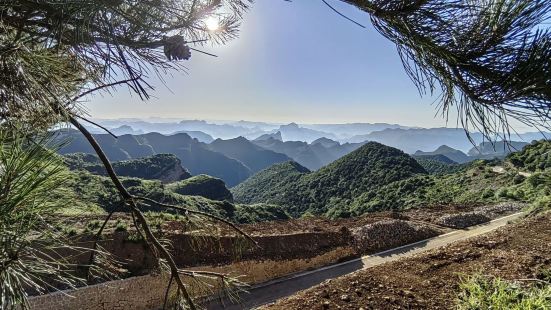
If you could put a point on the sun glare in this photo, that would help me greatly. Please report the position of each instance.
(212, 23)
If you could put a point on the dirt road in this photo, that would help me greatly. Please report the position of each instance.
(268, 292)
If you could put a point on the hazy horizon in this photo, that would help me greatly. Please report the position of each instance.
(325, 73)
(352, 77)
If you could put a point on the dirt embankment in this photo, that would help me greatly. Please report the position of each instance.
(293, 239)
(430, 280)
(277, 241)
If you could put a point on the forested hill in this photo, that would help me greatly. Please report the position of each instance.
(164, 167)
(270, 184)
(290, 185)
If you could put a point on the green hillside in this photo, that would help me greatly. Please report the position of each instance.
(475, 183)
(204, 186)
(270, 184)
(377, 178)
(86, 193)
(164, 167)
(438, 164)
(372, 165)
(534, 157)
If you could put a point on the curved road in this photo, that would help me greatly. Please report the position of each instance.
(268, 292)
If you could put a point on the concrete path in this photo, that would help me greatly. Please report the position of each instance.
(268, 292)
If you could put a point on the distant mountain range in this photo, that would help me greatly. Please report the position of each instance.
(485, 150)
(407, 139)
(414, 139)
(250, 130)
(312, 156)
(194, 155)
(234, 160)
(251, 155)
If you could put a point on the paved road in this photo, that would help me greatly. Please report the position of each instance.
(265, 293)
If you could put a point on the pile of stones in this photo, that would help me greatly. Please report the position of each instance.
(463, 220)
(387, 234)
(479, 215)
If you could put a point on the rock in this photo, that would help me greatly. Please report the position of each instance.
(345, 298)
(326, 304)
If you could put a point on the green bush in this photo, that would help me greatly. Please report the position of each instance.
(518, 179)
(121, 226)
(502, 193)
(481, 292)
(70, 231)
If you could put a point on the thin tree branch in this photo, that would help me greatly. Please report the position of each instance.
(95, 246)
(103, 86)
(167, 291)
(341, 14)
(200, 51)
(134, 208)
(98, 125)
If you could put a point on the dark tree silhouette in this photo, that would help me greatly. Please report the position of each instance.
(491, 60)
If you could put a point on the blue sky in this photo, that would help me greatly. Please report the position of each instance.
(294, 61)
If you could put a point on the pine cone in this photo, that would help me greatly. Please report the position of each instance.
(175, 48)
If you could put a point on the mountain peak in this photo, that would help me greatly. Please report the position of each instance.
(268, 136)
(290, 126)
(325, 142)
(445, 148)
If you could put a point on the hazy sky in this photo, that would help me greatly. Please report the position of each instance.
(294, 61)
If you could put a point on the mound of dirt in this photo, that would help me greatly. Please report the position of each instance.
(387, 234)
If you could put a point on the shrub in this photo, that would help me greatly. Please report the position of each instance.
(502, 193)
(481, 292)
(93, 225)
(121, 226)
(70, 231)
(488, 193)
(518, 179)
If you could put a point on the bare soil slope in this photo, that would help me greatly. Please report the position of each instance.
(430, 280)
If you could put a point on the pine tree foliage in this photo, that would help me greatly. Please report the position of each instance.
(53, 52)
(489, 59)
(30, 243)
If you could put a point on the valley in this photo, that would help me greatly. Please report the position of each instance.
(372, 199)
(240, 154)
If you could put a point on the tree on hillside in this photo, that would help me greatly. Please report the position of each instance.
(491, 59)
